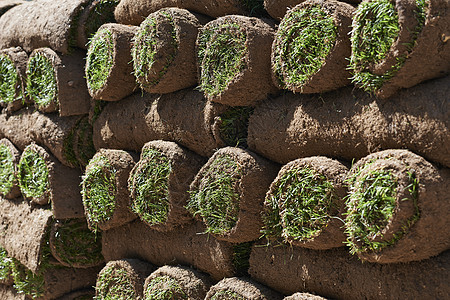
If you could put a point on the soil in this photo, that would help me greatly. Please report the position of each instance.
(304, 296)
(88, 292)
(350, 124)
(15, 190)
(245, 288)
(9, 293)
(277, 8)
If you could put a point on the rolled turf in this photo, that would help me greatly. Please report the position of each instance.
(159, 184)
(9, 160)
(242, 288)
(13, 62)
(305, 202)
(311, 47)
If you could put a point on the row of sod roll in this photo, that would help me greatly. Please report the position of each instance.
(230, 149)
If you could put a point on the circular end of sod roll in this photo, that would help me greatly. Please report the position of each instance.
(9, 161)
(233, 59)
(109, 73)
(13, 63)
(228, 192)
(311, 47)
(159, 184)
(104, 189)
(164, 51)
(304, 204)
(242, 288)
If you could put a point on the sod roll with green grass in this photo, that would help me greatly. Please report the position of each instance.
(164, 51)
(241, 288)
(9, 160)
(13, 63)
(56, 83)
(104, 189)
(176, 282)
(398, 44)
(122, 279)
(396, 208)
(233, 58)
(311, 47)
(304, 204)
(350, 124)
(108, 71)
(159, 184)
(227, 194)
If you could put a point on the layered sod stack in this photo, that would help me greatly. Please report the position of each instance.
(9, 160)
(13, 62)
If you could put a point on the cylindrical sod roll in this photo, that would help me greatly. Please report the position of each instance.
(9, 160)
(227, 194)
(164, 51)
(398, 44)
(176, 282)
(304, 204)
(122, 279)
(241, 288)
(350, 124)
(104, 189)
(159, 184)
(13, 65)
(311, 47)
(56, 82)
(109, 73)
(396, 208)
(233, 55)
(74, 245)
(44, 180)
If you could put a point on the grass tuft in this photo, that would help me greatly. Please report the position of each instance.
(222, 51)
(164, 288)
(216, 199)
(233, 126)
(7, 170)
(304, 39)
(9, 80)
(5, 265)
(99, 59)
(241, 256)
(32, 174)
(227, 295)
(149, 185)
(300, 206)
(114, 283)
(41, 80)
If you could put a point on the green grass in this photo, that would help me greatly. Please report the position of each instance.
(102, 13)
(7, 170)
(5, 265)
(375, 29)
(9, 80)
(32, 174)
(164, 288)
(149, 186)
(26, 282)
(114, 283)
(304, 39)
(241, 256)
(76, 244)
(222, 51)
(83, 132)
(99, 105)
(254, 7)
(99, 59)
(370, 206)
(300, 206)
(233, 126)
(227, 295)
(99, 190)
(146, 46)
(216, 199)
(41, 80)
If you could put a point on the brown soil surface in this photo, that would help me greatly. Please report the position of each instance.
(350, 124)
(20, 59)
(9, 293)
(15, 190)
(90, 293)
(245, 288)
(304, 296)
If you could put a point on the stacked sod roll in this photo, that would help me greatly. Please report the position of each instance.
(108, 69)
(311, 47)
(164, 51)
(13, 63)
(9, 160)
(392, 40)
(304, 204)
(233, 54)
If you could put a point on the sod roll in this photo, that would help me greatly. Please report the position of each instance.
(176, 282)
(350, 124)
(311, 47)
(159, 184)
(164, 51)
(305, 202)
(13, 64)
(233, 58)
(104, 189)
(398, 44)
(241, 288)
(55, 83)
(304, 296)
(407, 199)
(9, 158)
(227, 194)
(335, 274)
(109, 73)
(122, 279)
